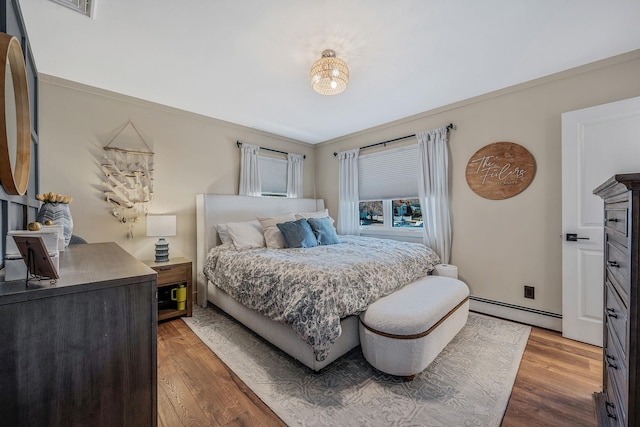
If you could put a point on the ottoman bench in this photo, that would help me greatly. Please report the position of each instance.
(402, 333)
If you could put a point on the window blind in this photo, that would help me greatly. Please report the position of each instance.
(273, 175)
(390, 174)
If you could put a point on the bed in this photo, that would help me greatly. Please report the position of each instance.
(341, 328)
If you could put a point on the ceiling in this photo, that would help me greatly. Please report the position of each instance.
(248, 61)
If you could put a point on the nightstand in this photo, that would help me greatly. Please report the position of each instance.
(171, 274)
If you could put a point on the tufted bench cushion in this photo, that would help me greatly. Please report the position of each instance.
(403, 332)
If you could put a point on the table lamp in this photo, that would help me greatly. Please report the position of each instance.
(161, 226)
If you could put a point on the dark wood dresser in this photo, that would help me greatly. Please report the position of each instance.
(83, 351)
(619, 401)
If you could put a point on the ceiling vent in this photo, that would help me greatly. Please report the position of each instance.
(83, 6)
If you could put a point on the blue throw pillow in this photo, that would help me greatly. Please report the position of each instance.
(297, 234)
(324, 231)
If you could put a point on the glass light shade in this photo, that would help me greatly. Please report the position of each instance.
(329, 75)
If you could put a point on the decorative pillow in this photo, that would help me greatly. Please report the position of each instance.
(319, 214)
(324, 231)
(246, 235)
(272, 234)
(298, 234)
(223, 233)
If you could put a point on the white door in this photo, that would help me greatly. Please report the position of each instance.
(597, 143)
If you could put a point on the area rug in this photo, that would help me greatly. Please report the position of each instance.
(468, 384)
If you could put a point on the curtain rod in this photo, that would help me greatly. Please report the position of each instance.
(239, 144)
(449, 127)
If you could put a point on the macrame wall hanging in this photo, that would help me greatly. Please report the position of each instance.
(128, 173)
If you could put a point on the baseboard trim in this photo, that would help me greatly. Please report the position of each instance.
(517, 313)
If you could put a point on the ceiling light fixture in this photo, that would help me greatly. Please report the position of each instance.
(329, 75)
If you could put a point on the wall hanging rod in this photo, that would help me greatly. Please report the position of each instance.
(449, 127)
(239, 144)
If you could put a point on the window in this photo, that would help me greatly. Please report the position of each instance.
(388, 186)
(372, 213)
(273, 176)
(407, 213)
(391, 213)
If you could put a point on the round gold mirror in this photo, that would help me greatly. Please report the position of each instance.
(15, 122)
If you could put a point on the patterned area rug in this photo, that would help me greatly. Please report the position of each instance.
(468, 384)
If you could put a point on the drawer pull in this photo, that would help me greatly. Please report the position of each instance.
(163, 268)
(608, 405)
(613, 220)
(611, 312)
(613, 264)
(610, 360)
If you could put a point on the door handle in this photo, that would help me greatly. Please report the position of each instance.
(572, 237)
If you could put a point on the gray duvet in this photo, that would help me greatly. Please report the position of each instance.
(311, 289)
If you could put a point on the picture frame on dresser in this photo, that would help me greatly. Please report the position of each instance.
(35, 256)
(618, 403)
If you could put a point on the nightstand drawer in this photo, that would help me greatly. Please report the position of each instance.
(172, 274)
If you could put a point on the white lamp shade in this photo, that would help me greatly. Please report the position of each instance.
(161, 225)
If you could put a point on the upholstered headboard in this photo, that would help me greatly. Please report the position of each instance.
(214, 209)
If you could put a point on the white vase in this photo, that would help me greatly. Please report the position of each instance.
(59, 214)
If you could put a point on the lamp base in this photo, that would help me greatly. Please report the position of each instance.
(162, 250)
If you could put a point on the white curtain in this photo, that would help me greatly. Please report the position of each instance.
(294, 175)
(348, 211)
(250, 184)
(433, 189)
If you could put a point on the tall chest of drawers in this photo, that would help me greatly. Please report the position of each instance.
(619, 401)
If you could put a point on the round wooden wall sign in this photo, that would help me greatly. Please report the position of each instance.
(500, 170)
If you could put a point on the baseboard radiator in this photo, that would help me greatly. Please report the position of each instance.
(517, 313)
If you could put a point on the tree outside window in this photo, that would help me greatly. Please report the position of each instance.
(371, 213)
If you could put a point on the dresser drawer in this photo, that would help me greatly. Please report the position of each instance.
(615, 218)
(616, 320)
(172, 274)
(617, 271)
(616, 412)
(616, 366)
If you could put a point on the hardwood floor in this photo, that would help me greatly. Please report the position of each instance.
(554, 386)
(555, 383)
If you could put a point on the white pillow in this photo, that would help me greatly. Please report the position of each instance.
(272, 234)
(223, 233)
(319, 214)
(246, 235)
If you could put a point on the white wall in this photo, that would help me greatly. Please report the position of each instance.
(501, 245)
(193, 154)
(498, 245)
